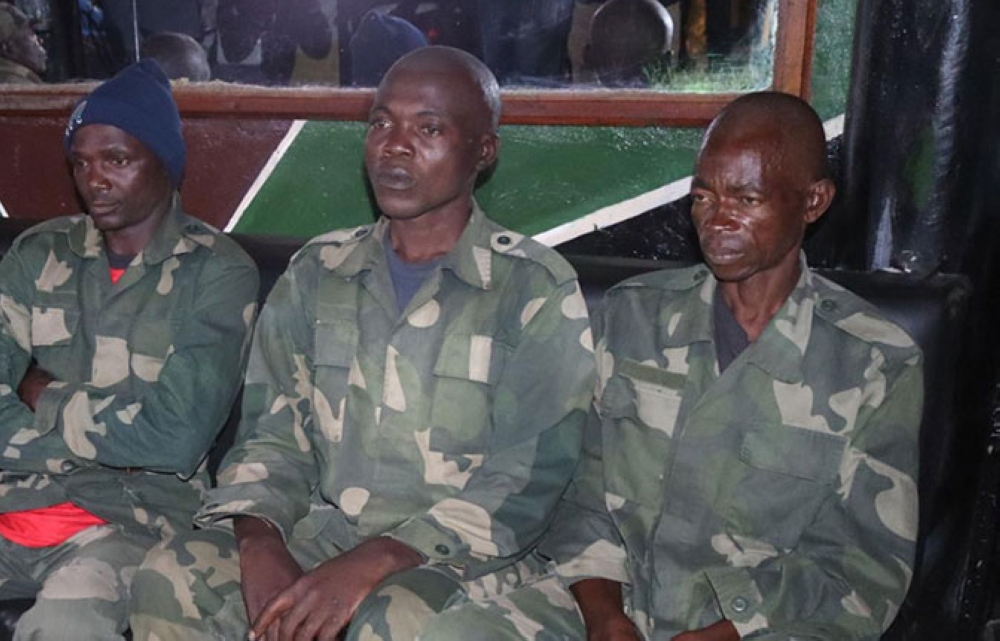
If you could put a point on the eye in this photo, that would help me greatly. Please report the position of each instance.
(78, 163)
(750, 201)
(378, 123)
(431, 129)
(119, 161)
(699, 198)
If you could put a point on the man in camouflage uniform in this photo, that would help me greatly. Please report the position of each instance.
(22, 56)
(413, 405)
(750, 460)
(123, 333)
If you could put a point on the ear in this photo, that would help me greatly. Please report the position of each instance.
(818, 198)
(489, 147)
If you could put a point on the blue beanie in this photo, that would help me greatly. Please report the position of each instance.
(137, 101)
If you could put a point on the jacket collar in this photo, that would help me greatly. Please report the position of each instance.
(174, 236)
(780, 348)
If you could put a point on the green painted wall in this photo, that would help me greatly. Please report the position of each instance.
(547, 175)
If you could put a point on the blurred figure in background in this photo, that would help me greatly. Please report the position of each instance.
(179, 54)
(22, 56)
(627, 39)
(379, 41)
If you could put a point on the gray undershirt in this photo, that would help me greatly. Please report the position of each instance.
(730, 339)
(407, 278)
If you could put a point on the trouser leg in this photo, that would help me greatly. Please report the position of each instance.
(540, 611)
(400, 606)
(188, 588)
(84, 585)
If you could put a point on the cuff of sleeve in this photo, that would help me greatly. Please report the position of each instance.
(739, 599)
(608, 565)
(432, 542)
(50, 404)
(217, 510)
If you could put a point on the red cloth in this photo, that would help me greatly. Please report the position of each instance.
(46, 526)
(116, 273)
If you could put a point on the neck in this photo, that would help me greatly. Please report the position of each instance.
(754, 301)
(428, 237)
(131, 240)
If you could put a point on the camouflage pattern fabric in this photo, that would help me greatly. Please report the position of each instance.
(146, 370)
(80, 587)
(780, 494)
(453, 427)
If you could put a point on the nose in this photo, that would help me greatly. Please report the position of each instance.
(397, 142)
(95, 178)
(720, 217)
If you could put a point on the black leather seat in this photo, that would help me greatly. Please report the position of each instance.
(930, 309)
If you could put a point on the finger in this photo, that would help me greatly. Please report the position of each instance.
(271, 613)
(331, 630)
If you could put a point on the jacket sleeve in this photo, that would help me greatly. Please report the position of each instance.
(849, 573)
(583, 540)
(538, 411)
(16, 419)
(166, 422)
(270, 470)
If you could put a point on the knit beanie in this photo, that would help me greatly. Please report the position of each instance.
(137, 101)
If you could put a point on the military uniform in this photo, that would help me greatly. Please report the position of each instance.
(779, 495)
(12, 73)
(453, 427)
(146, 371)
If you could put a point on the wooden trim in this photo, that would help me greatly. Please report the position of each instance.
(793, 58)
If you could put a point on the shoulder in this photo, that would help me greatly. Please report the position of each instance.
(332, 248)
(47, 232)
(855, 318)
(223, 250)
(525, 253)
(666, 283)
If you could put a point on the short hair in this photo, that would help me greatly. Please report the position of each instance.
(179, 54)
(440, 57)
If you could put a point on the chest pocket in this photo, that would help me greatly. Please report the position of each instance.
(785, 473)
(334, 349)
(465, 377)
(55, 317)
(642, 403)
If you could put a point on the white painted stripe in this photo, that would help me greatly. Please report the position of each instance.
(266, 172)
(3, 212)
(612, 214)
(628, 209)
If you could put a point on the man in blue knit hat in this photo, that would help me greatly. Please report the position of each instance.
(123, 333)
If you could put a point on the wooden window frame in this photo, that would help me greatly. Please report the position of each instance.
(792, 66)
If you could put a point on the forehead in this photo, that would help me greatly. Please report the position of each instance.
(95, 137)
(758, 157)
(446, 92)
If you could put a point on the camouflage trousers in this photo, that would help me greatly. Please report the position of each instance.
(80, 587)
(188, 589)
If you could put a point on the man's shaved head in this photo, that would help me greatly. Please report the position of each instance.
(788, 121)
(461, 68)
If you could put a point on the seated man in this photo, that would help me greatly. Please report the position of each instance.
(413, 405)
(22, 56)
(748, 466)
(123, 334)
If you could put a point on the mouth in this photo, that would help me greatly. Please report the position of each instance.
(393, 178)
(101, 208)
(721, 251)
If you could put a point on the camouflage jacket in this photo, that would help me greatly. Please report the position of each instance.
(453, 427)
(780, 495)
(146, 369)
(14, 73)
